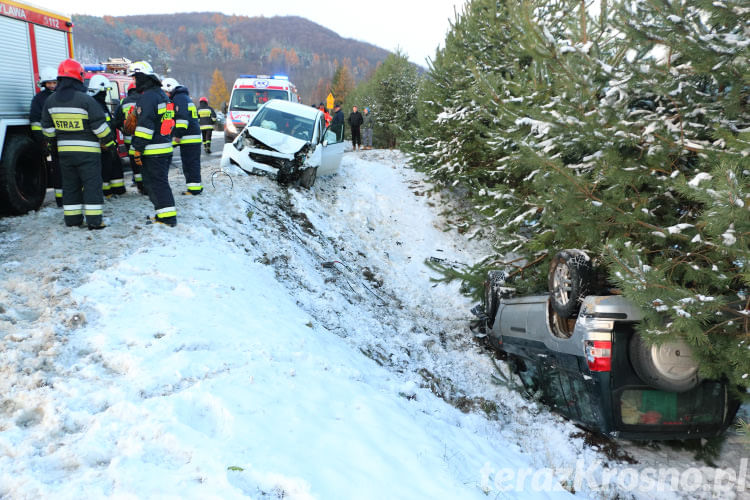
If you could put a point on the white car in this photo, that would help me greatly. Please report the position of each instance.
(286, 141)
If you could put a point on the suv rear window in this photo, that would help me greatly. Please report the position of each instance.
(704, 404)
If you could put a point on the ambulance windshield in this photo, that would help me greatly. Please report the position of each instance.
(252, 99)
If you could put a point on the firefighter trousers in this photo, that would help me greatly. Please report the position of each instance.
(53, 172)
(190, 154)
(206, 133)
(82, 188)
(116, 176)
(156, 180)
(113, 181)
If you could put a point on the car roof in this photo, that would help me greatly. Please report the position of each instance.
(293, 108)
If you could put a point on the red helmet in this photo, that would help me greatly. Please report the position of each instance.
(70, 68)
(131, 86)
(203, 99)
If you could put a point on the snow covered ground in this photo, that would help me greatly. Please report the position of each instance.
(278, 343)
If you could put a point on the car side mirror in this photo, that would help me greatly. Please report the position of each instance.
(325, 142)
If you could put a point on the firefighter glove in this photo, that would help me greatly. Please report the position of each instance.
(137, 158)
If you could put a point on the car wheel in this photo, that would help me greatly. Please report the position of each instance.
(23, 176)
(570, 279)
(669, 366)
(307, 179)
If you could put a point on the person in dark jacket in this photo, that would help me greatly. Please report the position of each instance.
(337, 123)
(367, 129)
(47, 82)
(187, 134)
(113, 180)
(76, 123)
(355, 121)
(207, 117)
(125, 107)
(152, 141)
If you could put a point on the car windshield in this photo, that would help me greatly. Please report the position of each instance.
(252, 99)
(286, 123)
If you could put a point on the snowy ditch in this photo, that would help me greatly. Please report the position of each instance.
(279, 343)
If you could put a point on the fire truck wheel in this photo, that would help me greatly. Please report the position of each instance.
(23, 177)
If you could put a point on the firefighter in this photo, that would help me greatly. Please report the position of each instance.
(112, 177)
(187, 134)
(47, 82)
(125, 107)
(152, 140)
(78, 127)
(207, 117)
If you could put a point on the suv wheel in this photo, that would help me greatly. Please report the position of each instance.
(570, 279)
(669, 366)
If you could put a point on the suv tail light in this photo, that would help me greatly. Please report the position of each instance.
(599, 355)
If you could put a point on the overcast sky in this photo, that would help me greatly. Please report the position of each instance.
(416, 26)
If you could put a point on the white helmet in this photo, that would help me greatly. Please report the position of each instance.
(47, 74)
(140, 67)
(98, 83)
(169, 84)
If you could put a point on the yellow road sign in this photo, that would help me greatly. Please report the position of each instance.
(329, 101)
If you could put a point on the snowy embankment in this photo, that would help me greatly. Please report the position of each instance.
(282, 343)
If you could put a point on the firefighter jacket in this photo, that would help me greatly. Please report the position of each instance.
(122, 111)
(187, 128)
(155, 112)
(76, 121)
(207, 116)
(35, 115)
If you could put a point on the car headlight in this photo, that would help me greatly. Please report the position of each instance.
(230, 127)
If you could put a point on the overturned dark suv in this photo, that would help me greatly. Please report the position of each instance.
(581, 355)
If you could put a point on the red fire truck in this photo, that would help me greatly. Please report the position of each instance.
(31, 38)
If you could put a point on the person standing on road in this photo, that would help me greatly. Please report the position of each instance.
(326, 114)
(187, 134)
(47, 82)
(152, 140)
(76, 122)
(367, 129)
(337, 123)
(207, 117)
(113, 181)
(127, 106)
(355, 121)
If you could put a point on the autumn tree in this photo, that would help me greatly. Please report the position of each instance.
(342, 83)
(218, 93)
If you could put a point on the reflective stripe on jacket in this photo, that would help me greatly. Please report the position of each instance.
(153, 135)
(187, 127)
(78, 123)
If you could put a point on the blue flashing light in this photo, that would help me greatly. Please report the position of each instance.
(248, 76)
(94, 67)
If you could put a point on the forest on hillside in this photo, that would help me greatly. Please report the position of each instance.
(190, 46)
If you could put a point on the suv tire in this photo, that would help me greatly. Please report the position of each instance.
(571, 278)
(668, 367)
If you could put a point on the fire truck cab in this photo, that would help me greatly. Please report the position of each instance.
(31, 39)
(249, 92)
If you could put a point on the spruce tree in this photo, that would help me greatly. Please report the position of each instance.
(623, 134)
